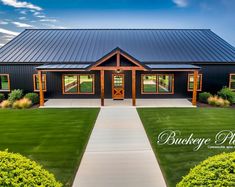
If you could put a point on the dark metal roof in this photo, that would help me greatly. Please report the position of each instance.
(89, 45)
(62, 66)
(172, 66)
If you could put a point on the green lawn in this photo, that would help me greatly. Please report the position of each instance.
(56, 138)
(176, 160)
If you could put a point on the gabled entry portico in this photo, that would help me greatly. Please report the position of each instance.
(118, 61)
(119, 76)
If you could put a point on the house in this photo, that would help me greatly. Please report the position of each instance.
(117, 63)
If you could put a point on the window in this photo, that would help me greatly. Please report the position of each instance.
(149, 83)
(158, 84)
(86, 83)
(165, 83)
(78, 84)
(4, 82)
(232, 82)
(191, 82)
(36, 82)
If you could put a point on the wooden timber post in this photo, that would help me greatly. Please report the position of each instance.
(41, 93)
(134, 87)
(195, 83)
(102, 87)
(118, 59)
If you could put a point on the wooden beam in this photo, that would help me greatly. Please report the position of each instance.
(41, 93)
(103, 60)
(102, 87)
(118, 59)
(113, 68)
(195, 80)
(133, 87)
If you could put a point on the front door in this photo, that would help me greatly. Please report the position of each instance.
(118, 86)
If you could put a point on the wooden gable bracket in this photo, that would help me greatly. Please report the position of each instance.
(118, 52)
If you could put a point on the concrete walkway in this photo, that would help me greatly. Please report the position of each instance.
(118, 153)
(141, 103)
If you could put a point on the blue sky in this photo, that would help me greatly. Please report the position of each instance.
(17, 15)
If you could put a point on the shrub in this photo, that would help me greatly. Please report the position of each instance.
(218, 101)
(203, 97)
(6, 104)
(16, 105)
(15, 95)
(218, 170)
(33, 97)
(212, 100)
(17, 170)
(2, 97)
(22, 104)
(227, 94)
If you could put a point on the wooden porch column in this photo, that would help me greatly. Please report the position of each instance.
(102, 87)
(41, 93)
(134, 87)
(195, 79)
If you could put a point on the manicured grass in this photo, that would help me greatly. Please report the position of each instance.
(176, 160)
(56, 138)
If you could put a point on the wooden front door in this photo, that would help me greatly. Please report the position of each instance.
(118, 86)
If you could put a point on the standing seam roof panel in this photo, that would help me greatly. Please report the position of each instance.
(16, 51)
(12, 43)
(34, 48)
(69, 54)
(203, 48)
(222, 43)
(56, 47)
(210, 49)
(145, 45)
(40, 47)
(60, 47)
(43, 52)
(64, 50)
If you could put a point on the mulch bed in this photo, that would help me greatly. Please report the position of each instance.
(204, 105)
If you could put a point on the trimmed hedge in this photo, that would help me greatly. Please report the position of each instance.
(17, 170)
(217, 170)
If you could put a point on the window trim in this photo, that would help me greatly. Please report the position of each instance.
(9, 85)
(78, 79)
(35, 83)
(157, 89)
(230, 81)
(198, 89)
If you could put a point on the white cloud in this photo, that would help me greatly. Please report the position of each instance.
(41, 16)
(36, 13)
(6, 37)
(2, 45)
(23, 12)
(3, 23)
(5, 31)
(48, 20)
(19, 24)
(181, 3)
(22, 18)
(21, 4)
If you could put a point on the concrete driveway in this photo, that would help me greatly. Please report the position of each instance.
(118, 153)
